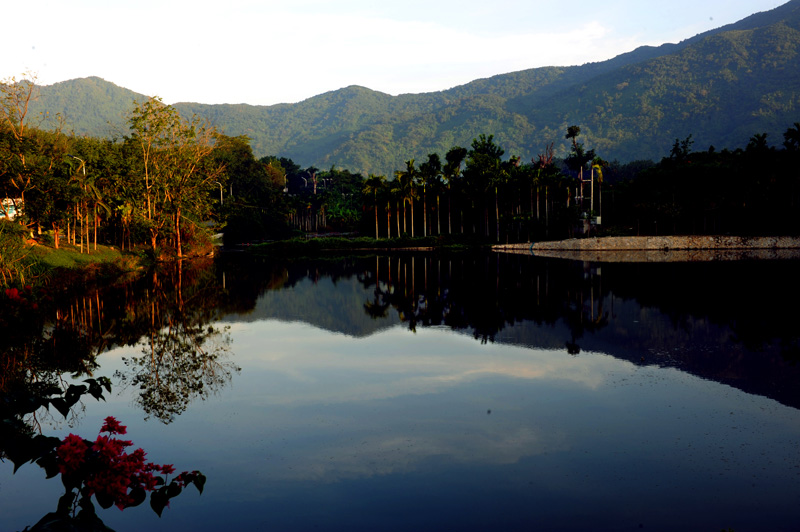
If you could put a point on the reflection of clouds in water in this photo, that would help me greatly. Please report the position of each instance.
(341, 408)
(384, 454)
(325, 366)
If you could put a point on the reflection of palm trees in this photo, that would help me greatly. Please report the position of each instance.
(378, 307)
(483, 294)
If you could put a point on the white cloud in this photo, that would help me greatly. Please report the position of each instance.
(266, 52)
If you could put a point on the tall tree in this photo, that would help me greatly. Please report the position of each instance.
(177, 166)
(373, 187)
(451, 174)
(27, 155)
(578, 158)
(484, 172)
(429, 173)
(408, 185)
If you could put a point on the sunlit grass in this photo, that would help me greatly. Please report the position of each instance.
(69, 256)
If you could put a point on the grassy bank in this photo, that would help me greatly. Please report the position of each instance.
(24, 262)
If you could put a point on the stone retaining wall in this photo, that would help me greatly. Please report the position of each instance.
(631, 243)
(662, 248)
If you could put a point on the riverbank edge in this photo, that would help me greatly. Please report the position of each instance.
(661, 243)
(662, 248)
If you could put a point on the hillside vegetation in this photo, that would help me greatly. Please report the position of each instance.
(721, 87)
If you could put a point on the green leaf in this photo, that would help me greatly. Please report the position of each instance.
(138, 495)
(60, 405)
(49, 463)
(158, 501)
(104, 500)
(173, 490)
(199, 482)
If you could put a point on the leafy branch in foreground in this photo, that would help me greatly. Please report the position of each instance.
(102, 468)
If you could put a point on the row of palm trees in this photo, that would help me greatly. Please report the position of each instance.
(473, 192)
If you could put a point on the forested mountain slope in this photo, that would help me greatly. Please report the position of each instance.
(721, 87)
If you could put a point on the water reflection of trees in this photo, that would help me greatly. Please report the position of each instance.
(169, 312)
(482, 294)
(63, 329)
(183, 355)
(722, 321)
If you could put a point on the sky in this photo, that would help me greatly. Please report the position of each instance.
(265, 52)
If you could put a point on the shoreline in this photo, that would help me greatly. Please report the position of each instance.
(661, 248)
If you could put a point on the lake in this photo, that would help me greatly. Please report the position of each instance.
(427, 391)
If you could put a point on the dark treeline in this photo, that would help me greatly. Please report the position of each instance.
(479, 193)
(750, 191)
(169, 182)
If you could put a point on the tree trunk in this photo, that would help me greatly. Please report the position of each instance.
(412, 217)
(55, 235)
(438, 217)
(497, 213)
(376, 216)
(424, 213)
(178, 233)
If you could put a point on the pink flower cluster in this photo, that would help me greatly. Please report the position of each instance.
(105, 468)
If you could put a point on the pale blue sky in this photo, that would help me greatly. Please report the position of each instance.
(267, 52)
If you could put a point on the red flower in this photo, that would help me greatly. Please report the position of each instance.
(112, 426)
(107, 471)
(71, 454)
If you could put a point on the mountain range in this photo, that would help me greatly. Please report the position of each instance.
(722, 87)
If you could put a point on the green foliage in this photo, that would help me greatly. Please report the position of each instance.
(719, 86)
(16, 262)
(255, 208)
(177, 164)
(754, 191)
(102, 469)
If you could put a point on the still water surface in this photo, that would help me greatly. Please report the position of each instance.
(460, 392)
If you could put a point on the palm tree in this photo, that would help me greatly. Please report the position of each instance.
(484, 171)
(396, 193)
(429, 172)
(408, 181)
(451, 173)
(373, 186)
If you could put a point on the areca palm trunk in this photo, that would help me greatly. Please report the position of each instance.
(412, 217)
(438, 216)
(424, 213)
(449, 213)
(497, 213)
(376, 216)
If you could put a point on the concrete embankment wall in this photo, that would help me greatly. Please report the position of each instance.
(662, 248)
(613, 243)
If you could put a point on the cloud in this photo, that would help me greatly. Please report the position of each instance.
(270, 52)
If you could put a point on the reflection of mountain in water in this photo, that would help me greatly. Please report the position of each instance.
(334, 306)
(720, 321)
